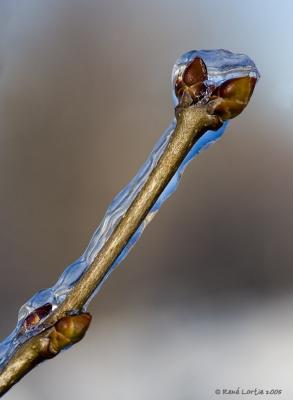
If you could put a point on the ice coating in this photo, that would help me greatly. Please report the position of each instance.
(221, 66)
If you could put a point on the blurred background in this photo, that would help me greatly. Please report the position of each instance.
(204, 300)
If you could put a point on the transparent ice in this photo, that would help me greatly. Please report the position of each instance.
(221, 65)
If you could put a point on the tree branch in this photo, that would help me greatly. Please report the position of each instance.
(67, 324)
(192, 122)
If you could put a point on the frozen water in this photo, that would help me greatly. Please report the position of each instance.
(221, 65)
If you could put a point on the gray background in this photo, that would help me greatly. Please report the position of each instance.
(204, 301)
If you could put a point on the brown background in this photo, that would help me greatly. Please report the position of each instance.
(204, 301)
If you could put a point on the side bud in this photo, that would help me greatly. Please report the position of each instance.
(32, 320)
(68, 331)
(190, 86)
(230, 98)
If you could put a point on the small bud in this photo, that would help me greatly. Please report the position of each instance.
(68, 330)
(190, 87)
(195, 72)
(35, 317)
(233, 97)
(238, 89)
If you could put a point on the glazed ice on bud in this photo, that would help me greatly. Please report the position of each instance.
(209, 70)
(35, 317)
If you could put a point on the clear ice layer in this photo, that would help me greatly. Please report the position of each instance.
(221, 65)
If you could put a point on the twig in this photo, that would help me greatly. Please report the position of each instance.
(192, 122)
